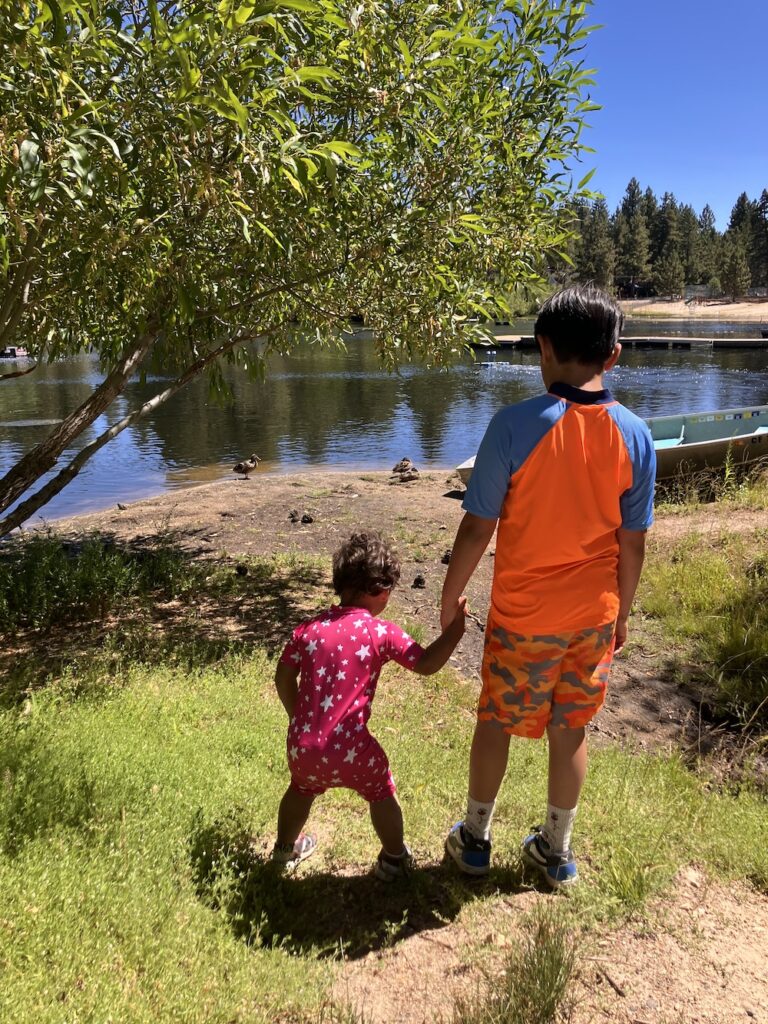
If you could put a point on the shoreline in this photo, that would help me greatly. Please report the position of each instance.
(727, 312)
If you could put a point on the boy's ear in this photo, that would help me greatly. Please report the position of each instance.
(545, 348)
(613, 358)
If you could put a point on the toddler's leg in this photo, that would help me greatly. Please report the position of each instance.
(387, 818)
(292, 816)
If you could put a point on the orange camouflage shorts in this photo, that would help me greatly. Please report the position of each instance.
(531, 682)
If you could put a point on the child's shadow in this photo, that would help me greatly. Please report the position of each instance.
(325, 913)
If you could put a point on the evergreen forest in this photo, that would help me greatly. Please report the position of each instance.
(652, 247)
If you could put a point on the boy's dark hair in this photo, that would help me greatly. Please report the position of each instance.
(366, 564)
(582, 323)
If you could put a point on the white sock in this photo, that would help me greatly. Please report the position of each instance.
(558, 827)
(478, 818)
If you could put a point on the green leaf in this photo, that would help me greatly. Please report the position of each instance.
(586, 179)
(29, 156)
(316, 73)
(346, 150)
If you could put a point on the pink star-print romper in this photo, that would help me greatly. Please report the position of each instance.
(340, 654)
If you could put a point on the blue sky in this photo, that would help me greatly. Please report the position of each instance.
(684, 90)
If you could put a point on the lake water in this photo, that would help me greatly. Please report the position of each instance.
(319, 408)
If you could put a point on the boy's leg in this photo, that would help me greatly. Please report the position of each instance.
(567, 771)
(292, 816)
(487, 765)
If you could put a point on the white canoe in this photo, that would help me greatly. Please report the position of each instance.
(697, 440)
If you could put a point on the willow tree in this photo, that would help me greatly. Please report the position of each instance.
(181, 177)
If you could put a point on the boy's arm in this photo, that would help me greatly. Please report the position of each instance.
(440, 650)
(631, 557)
(472, 538)
(286, 684)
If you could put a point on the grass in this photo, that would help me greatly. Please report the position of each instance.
(712, 593)
(739, 485)
(534, 987)
(138, 791)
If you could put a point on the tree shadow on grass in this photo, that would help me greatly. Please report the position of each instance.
(326, 914)
(182, 610)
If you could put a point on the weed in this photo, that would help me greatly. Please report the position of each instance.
(535, 986)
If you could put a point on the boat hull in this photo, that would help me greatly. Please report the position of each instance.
(685, 444)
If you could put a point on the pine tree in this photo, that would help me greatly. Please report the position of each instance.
(708, 256)
(597, 257)
(761, 242)
(669, 274)
(735, 274)
(689, 245)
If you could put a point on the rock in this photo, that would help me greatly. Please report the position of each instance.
(241, 569)
(446, 559)
(122, 507)
(293, 515)
(419, 582)
(307, 518)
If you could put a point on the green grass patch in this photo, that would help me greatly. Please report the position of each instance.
(135, 825)
(713, 595)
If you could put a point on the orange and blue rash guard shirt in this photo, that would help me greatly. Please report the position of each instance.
(561, 472)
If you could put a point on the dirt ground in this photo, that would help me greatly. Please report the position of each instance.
(723, 309)
(698, 957)
(699, 954)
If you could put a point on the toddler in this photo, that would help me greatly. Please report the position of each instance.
(326, 679)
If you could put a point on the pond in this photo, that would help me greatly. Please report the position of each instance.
(322, 408)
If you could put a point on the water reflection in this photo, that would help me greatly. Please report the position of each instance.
(326, 408)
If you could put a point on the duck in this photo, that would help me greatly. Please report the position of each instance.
(404, 466)
(248, 466)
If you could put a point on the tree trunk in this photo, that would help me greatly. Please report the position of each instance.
(43, 456)
(28, 508)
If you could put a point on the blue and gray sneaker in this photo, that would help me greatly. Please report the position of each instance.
(558, 870)
(473, 856)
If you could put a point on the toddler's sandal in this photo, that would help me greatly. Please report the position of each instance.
(289, 857)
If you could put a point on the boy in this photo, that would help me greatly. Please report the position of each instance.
(569, 477)
(326, 679)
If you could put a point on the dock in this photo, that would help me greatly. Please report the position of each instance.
(528, 342)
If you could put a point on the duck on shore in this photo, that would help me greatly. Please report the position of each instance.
(247, 466)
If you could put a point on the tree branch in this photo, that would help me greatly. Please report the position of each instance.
(19, 373)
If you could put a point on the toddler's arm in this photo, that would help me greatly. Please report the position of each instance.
(440, 650)
(631, 557)
(472, 538)
(286, 684)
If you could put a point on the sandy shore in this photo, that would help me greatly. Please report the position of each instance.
(662, 308)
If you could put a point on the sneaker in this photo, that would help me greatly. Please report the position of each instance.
(389, 868)
(473, 856)
(559, 870)
(289, 857)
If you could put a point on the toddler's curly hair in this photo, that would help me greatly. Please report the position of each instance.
(366, 564)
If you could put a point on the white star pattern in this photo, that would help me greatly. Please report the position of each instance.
(339, 729)
(321, 672)
(351, 755)
(312, 646)
(296, 657)
(371, 762)
(327, 702)
(364, 652)
(345, 662)
(307, 727)
(358, 624)
(381, 629)
(341, 675)
(294, 752)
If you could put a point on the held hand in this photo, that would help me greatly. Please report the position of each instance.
(450, 612)
(620, 636)
(459, 621)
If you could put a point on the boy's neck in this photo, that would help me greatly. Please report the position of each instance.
(575, 375)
